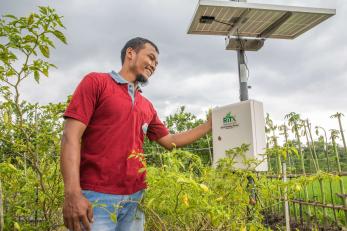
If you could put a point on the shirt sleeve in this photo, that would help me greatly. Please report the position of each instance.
(156, 129)
(84, 99)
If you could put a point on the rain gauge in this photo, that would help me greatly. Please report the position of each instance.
(245, 27)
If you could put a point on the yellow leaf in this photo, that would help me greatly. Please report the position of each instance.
(150, 202)
(113, 217)
(297, 187)
(182, 180)
(131, 156)
(12, 166)
(6, 118)
(204, 187)
(16, 226)
(185, 199)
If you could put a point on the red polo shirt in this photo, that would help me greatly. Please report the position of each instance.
(116, 128)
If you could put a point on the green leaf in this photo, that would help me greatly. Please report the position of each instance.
(10, 16)
(50, 43)
(11, 72)
(45, 71)
(295, 151)
(44, 50)
(43, 10)
(37, 76)
(57, 19)
(31, 19)
(29, 38)
(113, 217)
(60, 36)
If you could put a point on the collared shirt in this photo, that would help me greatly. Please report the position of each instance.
(119, 79)
(116, 127)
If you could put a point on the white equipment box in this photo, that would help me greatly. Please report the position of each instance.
(237, 124)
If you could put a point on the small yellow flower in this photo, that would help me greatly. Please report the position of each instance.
(185, 199)
(297, 187)
(219, 199)
(204, 187)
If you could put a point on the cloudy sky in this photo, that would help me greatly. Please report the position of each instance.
(307, 75)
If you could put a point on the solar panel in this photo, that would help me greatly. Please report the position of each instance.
(243, 19)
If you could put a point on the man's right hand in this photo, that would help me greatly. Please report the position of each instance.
(77, 212)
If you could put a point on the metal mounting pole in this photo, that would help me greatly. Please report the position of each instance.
(243, 75)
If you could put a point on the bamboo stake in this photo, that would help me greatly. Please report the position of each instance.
(286, 205)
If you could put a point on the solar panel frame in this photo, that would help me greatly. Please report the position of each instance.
(259, 18)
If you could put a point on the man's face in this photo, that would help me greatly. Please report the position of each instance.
(144, 62)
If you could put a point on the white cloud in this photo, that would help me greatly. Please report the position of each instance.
(306, 75)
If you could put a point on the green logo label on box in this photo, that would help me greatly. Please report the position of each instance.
(229, 121)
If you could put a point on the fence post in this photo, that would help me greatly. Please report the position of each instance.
(286, 205)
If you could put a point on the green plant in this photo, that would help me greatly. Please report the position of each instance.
(30, 133)
(183, 194)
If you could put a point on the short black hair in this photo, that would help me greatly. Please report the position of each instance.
(137, 44)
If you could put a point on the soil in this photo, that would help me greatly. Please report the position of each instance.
(277, 222)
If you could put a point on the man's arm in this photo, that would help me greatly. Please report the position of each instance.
(184, 138)
(76, 207)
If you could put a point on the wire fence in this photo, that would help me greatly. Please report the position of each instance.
(321, 203)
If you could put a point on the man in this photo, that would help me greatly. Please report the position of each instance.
(104, 130)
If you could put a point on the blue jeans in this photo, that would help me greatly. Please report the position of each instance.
(116, 212)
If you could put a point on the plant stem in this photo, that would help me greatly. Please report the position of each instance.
(328, 165)
(302, 165)
(342, 134)
(313, 145)
(310, 148)
(342, 189)
(209, 149)
(1, 209)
